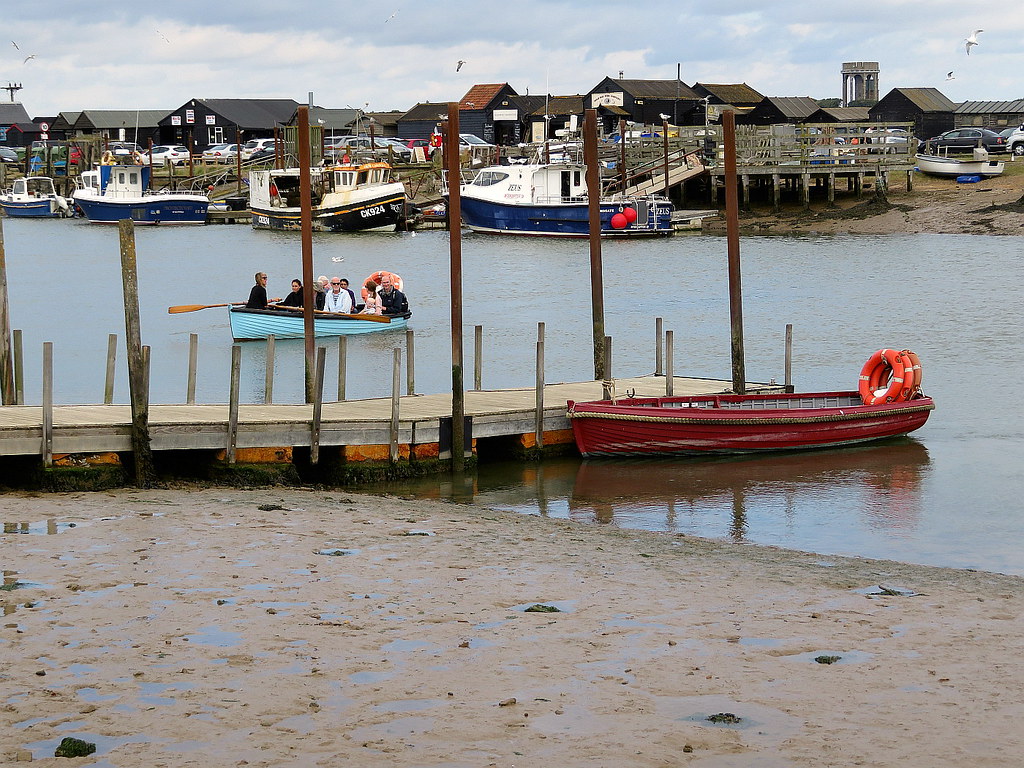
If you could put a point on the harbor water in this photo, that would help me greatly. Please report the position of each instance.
(950, 495)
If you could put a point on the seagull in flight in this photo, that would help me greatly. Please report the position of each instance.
(15, 45)
(949, 76)
(163, 37)
(973, 39)
(389, 18)
(459, 65)
(30, 56)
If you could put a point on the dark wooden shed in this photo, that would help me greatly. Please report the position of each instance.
(216, 121)
(644, 101)
(927, 108)
(775, 110)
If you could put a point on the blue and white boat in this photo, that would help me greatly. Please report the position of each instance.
(114, 192)
(247, 324)
(34, 197)
(551, 199)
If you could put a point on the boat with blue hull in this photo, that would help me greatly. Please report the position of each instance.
(248, 324)
(114, 192)
(550, 199)
(34, 197)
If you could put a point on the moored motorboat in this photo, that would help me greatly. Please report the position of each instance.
(34, 197)
(114, 192)
(551, 199)
(345, 198)
(938, 165)
(247, 324)
(888, 404)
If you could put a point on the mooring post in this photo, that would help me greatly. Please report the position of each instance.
(19, 368)
(396, 391)
(670, 381)
(478, 352)
(7, 395)
(193, 364)
(141, 451)
(108, 385)
(607, 384)
(342, 366)
(268, 381)
(593, 177)
(145, 371)
(318, 405)
(739, 379)
(47, 448)
(538, 423)
(453, 168)
(659, 360)
(410, 363)
(789, 358)
(236, 370)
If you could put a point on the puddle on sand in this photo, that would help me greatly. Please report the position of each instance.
(845, 657)
(93, 695)
(759, 726)
(407, 705)
(215, 636)
(362, 678)
(563, 606)
(407, 646)
(44, 527)
(403, 728)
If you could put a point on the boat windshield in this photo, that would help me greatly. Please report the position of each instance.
(487, 178)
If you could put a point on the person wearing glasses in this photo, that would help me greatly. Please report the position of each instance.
(337, 299)
(258, 294)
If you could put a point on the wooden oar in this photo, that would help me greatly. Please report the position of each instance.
(196, 307)
(358, 316)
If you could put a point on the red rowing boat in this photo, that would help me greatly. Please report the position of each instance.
(712, 424)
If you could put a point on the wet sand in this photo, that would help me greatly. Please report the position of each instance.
(192, 628)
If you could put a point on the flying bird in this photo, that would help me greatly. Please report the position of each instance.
(15, 45)
(30, 56)
(973, 39)
(949, 76)
(163, 37)
(459, 65)
(389, 18)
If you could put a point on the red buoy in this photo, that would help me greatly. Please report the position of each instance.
(630, 214)
(619, 221)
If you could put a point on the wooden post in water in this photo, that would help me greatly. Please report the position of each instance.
(306, 202)
(789, 358)
(108, 384)
(238, 160)
(732, 227)
(410, 362)
(141, 452)
(396, 393)
(670, 381)
(342, 366)
(47, 447)
(622, 153)
(453, 166)
(19, 368)
(193, 365)
(318, 405)
(478, 353)
(659, 360)
(664, 142)
(538, 421)
(268, 380)
(607, 383)
(594, 216)
(7, 395)
(236, 375)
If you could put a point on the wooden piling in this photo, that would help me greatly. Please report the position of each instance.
(236, 375)
(7, 394)
(410, 362)
(733, 239)
(659, 360)
(670, 380)
(19, 368)
(47, 447)
(143, 456)
(452, 166)
(538, 420)
(396, 386)
(108, 384)
(594, 218)
(342, 366)
(268, 378)
(193, 365)
(789, 357)
(607, 382)
(306, 224)
(318, 405)
(478, 350)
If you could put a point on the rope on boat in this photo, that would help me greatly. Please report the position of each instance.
(747, 422)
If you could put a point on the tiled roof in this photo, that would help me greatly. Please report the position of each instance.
(927, 99)
(657, 89)
(479, 96)
(736, 93)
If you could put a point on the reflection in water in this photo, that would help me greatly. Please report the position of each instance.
(881, 481)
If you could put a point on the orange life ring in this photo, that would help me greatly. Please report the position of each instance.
(883, 379)
(915, 363)
(376, 277)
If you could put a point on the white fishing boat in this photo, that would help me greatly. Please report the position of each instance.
(939, 165)
(34, 197)
(114, 192)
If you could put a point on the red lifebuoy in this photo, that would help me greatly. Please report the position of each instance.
(915, 363)
(376, 278)
(886, 377)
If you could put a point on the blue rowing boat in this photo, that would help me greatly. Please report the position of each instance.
(247, 324)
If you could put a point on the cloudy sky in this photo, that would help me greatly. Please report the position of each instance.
(391, 54)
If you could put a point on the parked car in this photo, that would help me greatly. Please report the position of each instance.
(8, 155)
(473, 142)
(162, 153)
(965, 139)
(362, 148)
(1015, 141)
(220, 153)
(255, 145)
(263, 155)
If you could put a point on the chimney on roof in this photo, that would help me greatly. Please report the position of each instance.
(620, 74)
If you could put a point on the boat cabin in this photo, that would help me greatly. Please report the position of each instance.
(557, 183)
(280, 188)
(33, 187)
(117, 180)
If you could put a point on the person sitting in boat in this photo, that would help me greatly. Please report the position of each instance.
(337, 299)
(293, 299)
(258, 294)
(392, 300)
(321, 286)
(372, 305)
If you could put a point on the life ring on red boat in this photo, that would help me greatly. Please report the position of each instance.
(915, 363)
(376, 278)
(886, 377)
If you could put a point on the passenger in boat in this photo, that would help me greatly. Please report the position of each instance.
(258, 294)
(344, 287)
(337, 300)
(392, 300)
(372, 306)
(293, 299)
(322, 286)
